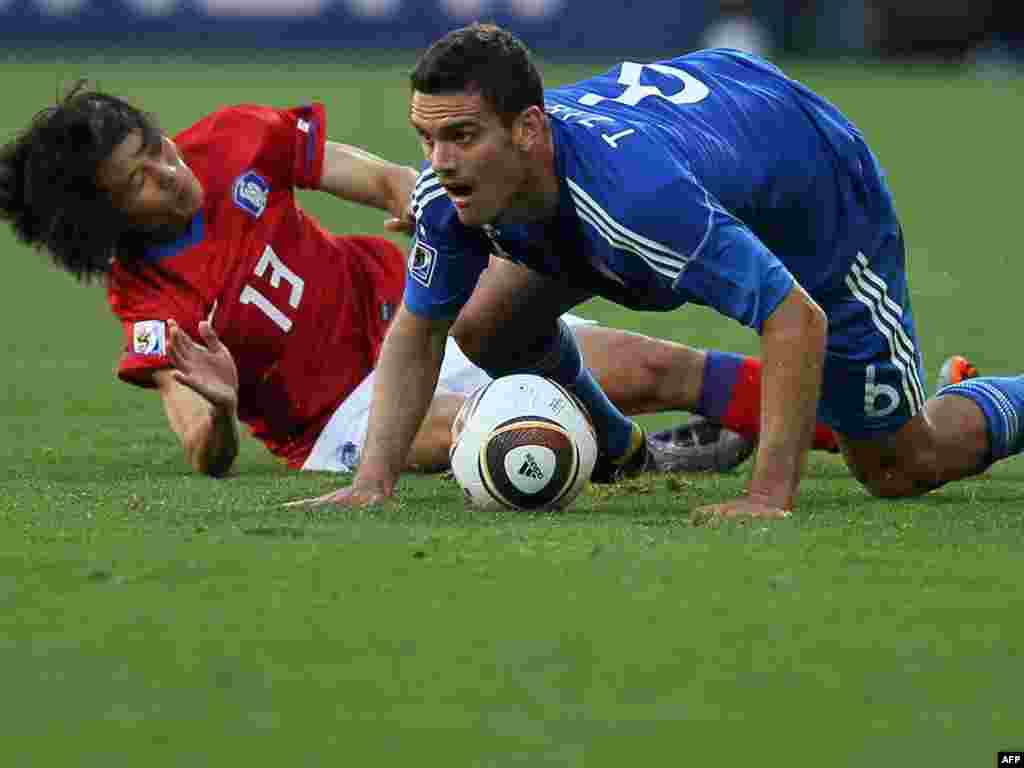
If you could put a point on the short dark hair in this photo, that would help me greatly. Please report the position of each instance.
(48, 187)
(484, 57)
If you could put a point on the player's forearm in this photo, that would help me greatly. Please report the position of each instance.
(211, 443)
(793, 350)
(406, 377)
(359, 176)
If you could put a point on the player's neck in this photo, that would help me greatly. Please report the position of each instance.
(539, 195)
(169, 232)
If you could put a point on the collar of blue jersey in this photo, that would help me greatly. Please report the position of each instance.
(193, 234)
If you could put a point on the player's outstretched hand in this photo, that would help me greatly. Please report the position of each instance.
(207, 368)
(350, 496)
(402, 221)
(406, 225)
(739, 509)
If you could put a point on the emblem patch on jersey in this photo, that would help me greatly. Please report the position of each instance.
(250, 193)
(348, 456)
(387, 311)
(149, 337)
(422, 261)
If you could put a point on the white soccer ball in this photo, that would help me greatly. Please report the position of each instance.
(522, 442)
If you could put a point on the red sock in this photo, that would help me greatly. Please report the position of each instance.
(737, 381)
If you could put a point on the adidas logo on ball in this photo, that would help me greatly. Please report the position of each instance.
(531, 469)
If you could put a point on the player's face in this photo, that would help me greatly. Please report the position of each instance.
(472, 152)
(151, 186)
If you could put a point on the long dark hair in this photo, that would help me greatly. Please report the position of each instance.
(48, 187)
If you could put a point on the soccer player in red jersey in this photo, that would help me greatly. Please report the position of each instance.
(238, 306)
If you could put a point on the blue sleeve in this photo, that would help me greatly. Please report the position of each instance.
(446, 258)
(735, 273)
(723, 264)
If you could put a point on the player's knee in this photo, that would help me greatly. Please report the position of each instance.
(652, 368)
(476, 338)
(902, 476)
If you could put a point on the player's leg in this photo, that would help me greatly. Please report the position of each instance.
(512, 324)
(429, 452)
(896, 441)
(947, 440)
(647, 375)
(961, 431)
(339, 445)
(641, 375)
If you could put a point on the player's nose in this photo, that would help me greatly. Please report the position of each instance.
(442, 158)
(163, 172)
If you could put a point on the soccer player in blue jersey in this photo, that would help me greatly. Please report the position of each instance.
(709, 179)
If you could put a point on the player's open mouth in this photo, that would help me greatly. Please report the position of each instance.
(459, 193)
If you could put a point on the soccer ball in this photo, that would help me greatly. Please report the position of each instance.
(522, 442)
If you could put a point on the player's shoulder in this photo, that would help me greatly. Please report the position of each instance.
(225, 123)
(136, 288)
(619, 167)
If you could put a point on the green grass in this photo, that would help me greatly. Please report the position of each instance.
(149, 617)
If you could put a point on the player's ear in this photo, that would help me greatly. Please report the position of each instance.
(528, 128)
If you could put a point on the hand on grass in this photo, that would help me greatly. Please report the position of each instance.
(738, 509)
(351, 496)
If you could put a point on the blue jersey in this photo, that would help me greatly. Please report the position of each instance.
(711, 178)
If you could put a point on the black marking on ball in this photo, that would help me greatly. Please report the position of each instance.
(534, 431)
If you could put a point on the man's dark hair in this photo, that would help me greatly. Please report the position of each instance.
(484, 57)
(48, 187)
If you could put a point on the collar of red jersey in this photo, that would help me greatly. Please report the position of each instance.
(191, 236)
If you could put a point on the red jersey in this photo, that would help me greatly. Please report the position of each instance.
(302, 311)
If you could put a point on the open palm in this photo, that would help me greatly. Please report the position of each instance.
(207, 368)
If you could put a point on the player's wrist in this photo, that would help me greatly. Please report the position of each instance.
(226, 406)
(776, 499)
(374, 479)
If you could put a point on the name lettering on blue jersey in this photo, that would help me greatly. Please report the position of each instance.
(589, 120)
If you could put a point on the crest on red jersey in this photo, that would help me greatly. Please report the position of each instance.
(250, 193)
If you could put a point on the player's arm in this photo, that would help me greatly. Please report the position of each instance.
(208, 434)
(792, 354)
(406, 377)
(731, 269)
(359, 176)
(200, 396)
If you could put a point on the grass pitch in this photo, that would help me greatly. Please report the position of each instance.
(151, 617)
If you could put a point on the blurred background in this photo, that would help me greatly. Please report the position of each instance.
(981, 33)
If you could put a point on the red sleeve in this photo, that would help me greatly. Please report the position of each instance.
(285, 144)
(310, 140)
(143, 304)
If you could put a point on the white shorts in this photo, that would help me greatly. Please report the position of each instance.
(341, 442)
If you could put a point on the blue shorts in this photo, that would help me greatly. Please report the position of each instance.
(873, 378)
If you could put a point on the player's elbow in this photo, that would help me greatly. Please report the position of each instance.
(205, 455)
(799, 320)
